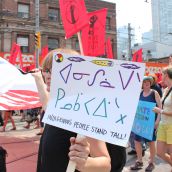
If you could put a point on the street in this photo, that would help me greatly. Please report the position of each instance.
(22, 147)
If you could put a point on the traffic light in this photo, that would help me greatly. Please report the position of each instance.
(38, 40)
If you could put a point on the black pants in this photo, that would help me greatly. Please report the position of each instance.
(1, 120)
(118, 157)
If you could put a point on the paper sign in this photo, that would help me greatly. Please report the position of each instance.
(94, 97)
(144, 121)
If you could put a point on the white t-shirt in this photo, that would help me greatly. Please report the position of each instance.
(167, 108)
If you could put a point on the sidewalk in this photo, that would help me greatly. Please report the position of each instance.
(160, 165)
(22, 147)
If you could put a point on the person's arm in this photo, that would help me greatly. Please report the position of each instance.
(41, 86)
(161, 111)
(158, 101)
(90, 155)
(99, 160)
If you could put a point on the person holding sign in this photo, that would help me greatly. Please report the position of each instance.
(149, 95)
(164, 134)
(58, 146)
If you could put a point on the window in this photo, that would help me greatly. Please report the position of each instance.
(23, 10)
(53, 43)
(23, 41)
(69, 43)
(77, 45)
(54, 14)
(108, 23)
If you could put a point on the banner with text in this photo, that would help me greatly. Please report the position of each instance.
(144, 121)
(94, 97)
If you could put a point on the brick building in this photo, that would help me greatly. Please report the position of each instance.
(17, 24)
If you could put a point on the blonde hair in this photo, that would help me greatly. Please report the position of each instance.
(47, 63)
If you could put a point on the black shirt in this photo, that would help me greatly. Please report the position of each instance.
(54, 149)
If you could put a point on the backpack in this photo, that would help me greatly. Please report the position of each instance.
(3, 154)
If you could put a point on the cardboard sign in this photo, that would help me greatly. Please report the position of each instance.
(94, 97)
(144, 121)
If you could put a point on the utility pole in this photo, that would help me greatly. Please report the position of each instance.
(129, 42)
(37, 49)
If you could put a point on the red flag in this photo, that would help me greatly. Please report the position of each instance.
(137, 56)
(20, 57)
(44, 52)
(109, 51)
(74, 16)
(93, 35)
(14, 52)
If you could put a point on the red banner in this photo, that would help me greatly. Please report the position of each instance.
(155, 68)
(93, 36)
(137, 56)
(109, 51)
(74, 16)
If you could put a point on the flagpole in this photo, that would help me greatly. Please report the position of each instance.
(72, 165)
(80, 43)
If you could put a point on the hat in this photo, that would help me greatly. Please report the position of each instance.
(148, 78)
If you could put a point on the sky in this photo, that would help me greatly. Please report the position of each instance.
(136, 12)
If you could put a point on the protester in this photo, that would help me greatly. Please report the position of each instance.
(164, 134)
(41, 123)
(132, 146)
(155, 85)
(8, 116)
(57, 145)
(21, 112)
(118, 157)
(1, 119)
(149, 95)
(32, 116)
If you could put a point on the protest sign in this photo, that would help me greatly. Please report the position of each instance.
(94, 97)
(17, 91)
(144, 121)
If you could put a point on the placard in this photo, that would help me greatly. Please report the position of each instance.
(94, 97)
(144, 121)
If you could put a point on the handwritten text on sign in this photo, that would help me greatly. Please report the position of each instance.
(144, 121)
(93, 96)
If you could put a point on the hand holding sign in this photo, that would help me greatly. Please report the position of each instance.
(79, 152)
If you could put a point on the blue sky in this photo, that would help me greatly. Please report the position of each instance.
(136, 12)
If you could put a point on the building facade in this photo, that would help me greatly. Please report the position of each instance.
(162, 21)
(17, 24)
